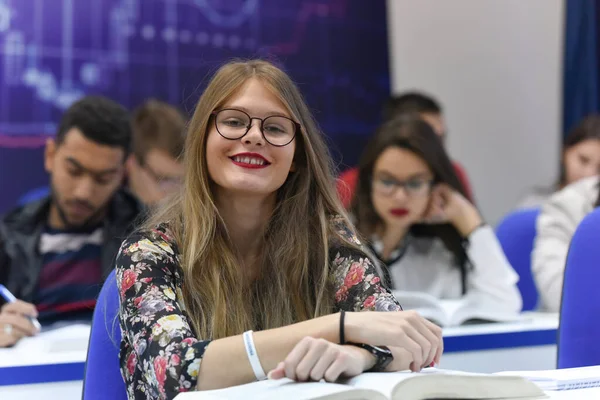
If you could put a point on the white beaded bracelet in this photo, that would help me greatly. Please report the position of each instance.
(253, 356)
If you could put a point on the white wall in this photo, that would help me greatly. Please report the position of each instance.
(496, 67)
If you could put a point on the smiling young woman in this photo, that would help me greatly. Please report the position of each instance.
(256, 241)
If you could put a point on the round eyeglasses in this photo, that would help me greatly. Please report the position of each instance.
(234, 124)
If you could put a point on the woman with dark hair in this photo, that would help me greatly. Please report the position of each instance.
(412, 208)
(580, 159)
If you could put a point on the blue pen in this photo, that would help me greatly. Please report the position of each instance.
(8, 296)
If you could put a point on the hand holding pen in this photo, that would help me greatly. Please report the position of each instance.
(17, 319)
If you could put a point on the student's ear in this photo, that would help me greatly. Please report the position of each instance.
(49, 154)
(293, 166)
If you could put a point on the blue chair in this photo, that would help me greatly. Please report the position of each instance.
(516, 233)
(33, 195)
(579, 330)
(102, 370)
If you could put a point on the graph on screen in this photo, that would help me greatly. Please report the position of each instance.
(53, 52)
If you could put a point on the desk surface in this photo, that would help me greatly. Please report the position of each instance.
(54, 356)
(532, 321)
(536, 329)
(59, 355)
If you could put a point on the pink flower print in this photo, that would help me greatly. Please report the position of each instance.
(131, 362)
(129, 279)
(369, 302)
(160, 370)
(355, 275)
(341, 294)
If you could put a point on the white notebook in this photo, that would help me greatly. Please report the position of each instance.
(429, 384)
(562, 379)
(447, 313)
(62, 344)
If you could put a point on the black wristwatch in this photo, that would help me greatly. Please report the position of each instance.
(383, 356)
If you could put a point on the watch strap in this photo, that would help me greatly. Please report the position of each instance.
(383, 356)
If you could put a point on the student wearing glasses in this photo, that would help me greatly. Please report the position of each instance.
(412, 208)
(255, 268)
(154, 169)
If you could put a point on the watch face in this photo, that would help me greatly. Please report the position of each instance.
(383, 349)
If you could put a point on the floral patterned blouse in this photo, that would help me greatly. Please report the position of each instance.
(160, 353)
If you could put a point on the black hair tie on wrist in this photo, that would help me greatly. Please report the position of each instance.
(342, 333)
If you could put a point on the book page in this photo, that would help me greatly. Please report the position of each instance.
(65, 344)
(453, 386)
(437, 383)
(67, 338)
(474, 308)
(430, 383)
(425, 304)
(416, 299)
(385, 382)
(561, 379)
(454, 312)
(285, 389)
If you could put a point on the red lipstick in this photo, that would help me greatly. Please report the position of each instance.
(399, 212)
(250, 160)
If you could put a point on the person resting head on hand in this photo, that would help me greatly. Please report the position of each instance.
(412, 208)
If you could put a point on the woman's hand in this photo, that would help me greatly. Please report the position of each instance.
(402, 360)
(316, 359)
(448, 205)
(405, 330)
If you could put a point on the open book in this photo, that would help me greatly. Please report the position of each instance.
(64, 344)
(57, 338)
(448, 313)
(429, 384)
(562, 379)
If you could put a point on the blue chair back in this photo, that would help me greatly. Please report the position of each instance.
(579, 330)
(33, 195)
(516, 233)
(102, 369)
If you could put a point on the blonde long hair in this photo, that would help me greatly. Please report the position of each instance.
(294, 283)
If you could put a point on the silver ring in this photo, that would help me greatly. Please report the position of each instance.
(8, 329)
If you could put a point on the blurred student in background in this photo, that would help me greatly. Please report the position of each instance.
(556, 225)
(257, 241)
(563, 207)
(154, 170)
(431, 112)
(580, 159)
(56, 252)
(413, 209)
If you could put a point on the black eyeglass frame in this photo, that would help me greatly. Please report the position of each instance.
(297, 126)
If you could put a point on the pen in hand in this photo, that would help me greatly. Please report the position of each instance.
(10, 298)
